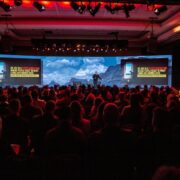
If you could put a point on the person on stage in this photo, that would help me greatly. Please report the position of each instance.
(96, 77)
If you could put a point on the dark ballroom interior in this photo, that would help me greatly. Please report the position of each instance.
(90, 89)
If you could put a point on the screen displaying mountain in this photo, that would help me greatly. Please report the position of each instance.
(64, 70)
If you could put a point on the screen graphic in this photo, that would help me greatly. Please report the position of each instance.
(69, 70)
(148, 72)
(152, 72)
(24, 71)
(20, 71)
(128, 71)
(2, 71)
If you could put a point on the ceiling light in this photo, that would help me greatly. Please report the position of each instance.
(114, 9)
(109, 8)
(39, 6)
(117, 8)
(128, 8)
(18, 2)
(5, 6)
(94, 11)
(82, 8)
(90, 9)
(131, 7)
(75, 6)
(160, 10)
(79, 8)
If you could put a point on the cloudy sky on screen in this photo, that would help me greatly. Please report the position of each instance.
(62, 69)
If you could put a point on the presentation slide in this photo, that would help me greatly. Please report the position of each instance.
(20, 71)
(143, 71)
(69, 70)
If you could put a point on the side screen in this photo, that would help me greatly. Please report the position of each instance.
(145, 71)
(20, 71)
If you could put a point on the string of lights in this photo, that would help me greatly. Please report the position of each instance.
(49, 46)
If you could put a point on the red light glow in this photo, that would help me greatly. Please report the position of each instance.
(11, 3)
(65, 4)
(137, 5)
(47, 3)
(157, 6)
(27, 3)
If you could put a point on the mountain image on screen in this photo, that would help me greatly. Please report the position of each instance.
(69, 70)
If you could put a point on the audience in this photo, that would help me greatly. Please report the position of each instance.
(86, 133)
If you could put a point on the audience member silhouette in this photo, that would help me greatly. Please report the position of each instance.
(36, 101)
(111, 148)
(14, 129)
(131, 115)
(97, 122)
(65, 138)
(154, 149)
(77, 113)
(28, 111)
(40, 125)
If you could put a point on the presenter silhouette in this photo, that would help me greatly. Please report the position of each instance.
(96, 77)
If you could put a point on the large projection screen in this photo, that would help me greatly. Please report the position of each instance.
(70, 70)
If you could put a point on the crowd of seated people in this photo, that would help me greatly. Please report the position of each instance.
(66, 132)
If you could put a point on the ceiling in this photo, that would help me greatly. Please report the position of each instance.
(60, 21)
